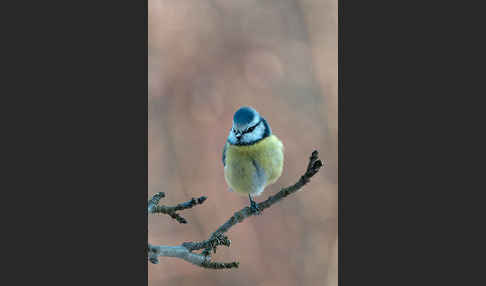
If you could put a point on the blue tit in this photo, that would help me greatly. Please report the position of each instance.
(252, 156)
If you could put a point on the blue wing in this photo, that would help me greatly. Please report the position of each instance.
(224, 154)
(259, 176)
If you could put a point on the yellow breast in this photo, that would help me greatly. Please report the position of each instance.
(241, 162)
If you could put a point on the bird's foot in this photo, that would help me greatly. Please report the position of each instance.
(254, 208)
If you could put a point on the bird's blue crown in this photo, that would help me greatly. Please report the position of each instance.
(244, 115)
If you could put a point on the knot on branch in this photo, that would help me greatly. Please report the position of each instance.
(153, 254)
(312, 167)
(216, 240)
(157, 197)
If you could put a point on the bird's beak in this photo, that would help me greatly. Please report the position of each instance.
(238, 135)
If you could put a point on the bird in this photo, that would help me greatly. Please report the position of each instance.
(253, 157)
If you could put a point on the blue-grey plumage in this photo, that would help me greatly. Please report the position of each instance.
(224, 155)
(245, 115)
(252, 156)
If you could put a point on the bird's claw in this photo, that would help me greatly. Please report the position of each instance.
(254, 208)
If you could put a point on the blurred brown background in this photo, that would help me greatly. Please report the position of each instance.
(206, 59)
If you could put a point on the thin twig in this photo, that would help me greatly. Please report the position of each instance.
(154, 208)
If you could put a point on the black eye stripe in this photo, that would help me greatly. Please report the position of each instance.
(249, 129)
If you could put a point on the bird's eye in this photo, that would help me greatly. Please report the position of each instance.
(251, 128)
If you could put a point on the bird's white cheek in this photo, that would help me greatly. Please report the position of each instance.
(231, 137)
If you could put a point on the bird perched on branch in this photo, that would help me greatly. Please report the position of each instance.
(252, 156)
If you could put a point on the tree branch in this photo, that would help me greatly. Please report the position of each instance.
(217, 238)
(154, 208)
